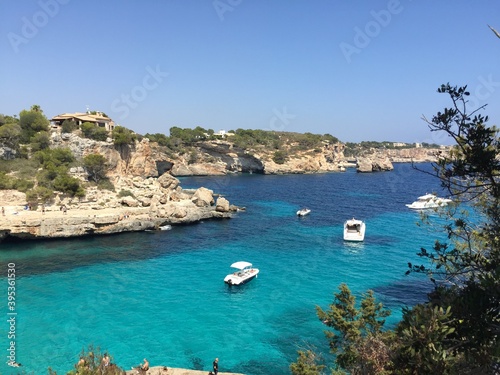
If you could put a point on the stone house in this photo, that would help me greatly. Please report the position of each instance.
(80, 117)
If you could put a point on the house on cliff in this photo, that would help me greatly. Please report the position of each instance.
(98, 119)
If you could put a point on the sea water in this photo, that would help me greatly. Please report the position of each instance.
(161, 296)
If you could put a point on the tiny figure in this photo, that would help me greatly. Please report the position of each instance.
(216, 366)
(106, 360)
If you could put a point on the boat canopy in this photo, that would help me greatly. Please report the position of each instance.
(426, 197)
(241, 265)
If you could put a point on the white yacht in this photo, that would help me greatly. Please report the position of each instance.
(428, 201)
(244, 274)
(354, 230)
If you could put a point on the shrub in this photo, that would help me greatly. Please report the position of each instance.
(96, 167)
(40, 141)
(123, 136)
(69, 126)
(126, 193)
(106, 184)
(280, 157)
(92, 131)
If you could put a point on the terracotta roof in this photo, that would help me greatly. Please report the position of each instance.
(82, 116)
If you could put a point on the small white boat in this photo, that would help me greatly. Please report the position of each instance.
(428, 201)
(303, 212)
(354, 230)
(244, 274)
(165, 227)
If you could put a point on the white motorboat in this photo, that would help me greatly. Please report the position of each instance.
(303, 212)
(428, 201)
(165, 227)
(354, 230)
(244, 274)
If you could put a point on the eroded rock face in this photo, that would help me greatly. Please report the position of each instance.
(375, 164)
(222, 205)
(203, 197)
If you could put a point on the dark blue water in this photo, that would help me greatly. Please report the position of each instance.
(160, 295)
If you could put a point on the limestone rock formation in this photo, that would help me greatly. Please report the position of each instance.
(203, 197)
(222, 205)
(376, 163)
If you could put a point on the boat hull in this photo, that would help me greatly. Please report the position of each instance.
(303, 212)
(354, 230)
(232, 282)
(238, 278)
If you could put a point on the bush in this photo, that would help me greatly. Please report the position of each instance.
(96, 166)
(68, 185)
(280, 157)
(126, 193)
(92, 131)
(40, 141)
(23, 185)
(6, 181)
(106, 184)
(123, 136)
(68, 126)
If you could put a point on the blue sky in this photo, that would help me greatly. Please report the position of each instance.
(358, 70)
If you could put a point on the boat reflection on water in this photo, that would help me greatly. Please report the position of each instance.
(354, 247)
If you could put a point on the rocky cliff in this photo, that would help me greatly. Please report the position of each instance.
(221, 157)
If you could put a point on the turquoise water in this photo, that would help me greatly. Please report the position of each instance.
(160, 295)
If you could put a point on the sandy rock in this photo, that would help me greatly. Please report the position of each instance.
(203, 197)
(167, 181)
(130, 201)
(12, 198)
(222, 205)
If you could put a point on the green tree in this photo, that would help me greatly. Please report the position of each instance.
(10, 135)
(123, 136)
(96, 167)
(357, 338)
(40, 141)
(68, 126)
(68, 185)
(162, 139)
(307, 364)
(466, 268)
(36, 108)
(93, 131)
(280, 157)
(32, 122)
(425, 341)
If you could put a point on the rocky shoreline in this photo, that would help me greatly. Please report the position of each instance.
(82, 219)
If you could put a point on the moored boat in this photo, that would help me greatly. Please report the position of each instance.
(244, 274)
(354, 230)
(428, 201)
(303, 212)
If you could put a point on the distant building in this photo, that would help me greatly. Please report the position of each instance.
(223, 134)
(418, 145)
(80, 117)
(399, 144)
